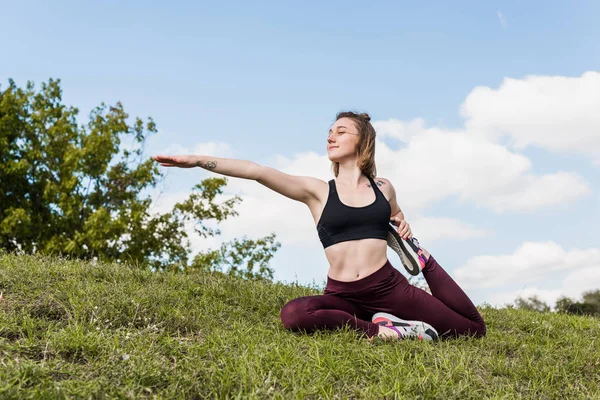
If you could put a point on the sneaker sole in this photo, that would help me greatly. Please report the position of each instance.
(397, 244)
(427, 331)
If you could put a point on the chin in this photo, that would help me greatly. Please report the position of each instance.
(333, 157)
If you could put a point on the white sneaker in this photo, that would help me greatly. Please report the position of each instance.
(406, 329)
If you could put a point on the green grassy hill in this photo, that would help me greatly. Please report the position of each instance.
(71, 329)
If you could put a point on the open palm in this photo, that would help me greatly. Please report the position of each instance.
(177, 161)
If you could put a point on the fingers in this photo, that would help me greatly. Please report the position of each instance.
(166, 161)
(403, 227)
(404, 230)
(397, 220)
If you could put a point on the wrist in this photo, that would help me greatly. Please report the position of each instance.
(198, 161)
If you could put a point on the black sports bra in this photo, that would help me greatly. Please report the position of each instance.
(339, 222)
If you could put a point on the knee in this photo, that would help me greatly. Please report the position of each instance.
(293, 313)
(475, 330)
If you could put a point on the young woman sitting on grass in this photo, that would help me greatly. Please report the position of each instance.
(352, 214)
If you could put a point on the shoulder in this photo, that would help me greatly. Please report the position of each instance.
(385, 185)
(383, 182)
(389, 192)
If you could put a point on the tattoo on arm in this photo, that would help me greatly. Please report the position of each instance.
(210, 165)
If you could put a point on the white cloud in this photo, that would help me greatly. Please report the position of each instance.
(528, 263)
(399, 130)
(556, 113)
(428, 229)
(502, 19)
(437, 164)
(582, 279)
(216, 149)
(164, 202)
(541, 191)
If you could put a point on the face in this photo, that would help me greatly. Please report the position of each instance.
(342, 140)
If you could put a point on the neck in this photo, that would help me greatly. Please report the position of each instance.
(350, 176)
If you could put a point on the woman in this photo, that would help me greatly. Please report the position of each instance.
(352, 213)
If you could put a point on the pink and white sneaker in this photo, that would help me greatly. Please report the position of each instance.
(418, 330)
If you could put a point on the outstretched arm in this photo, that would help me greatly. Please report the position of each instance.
(237, 168)
(300, 188)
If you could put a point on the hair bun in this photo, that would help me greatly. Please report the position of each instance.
(365, 116)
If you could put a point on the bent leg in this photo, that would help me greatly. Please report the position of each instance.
(445, 289)
(421, 306)
(326, 311)
(408, 302)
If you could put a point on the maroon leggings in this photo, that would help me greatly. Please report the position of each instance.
(447, 308)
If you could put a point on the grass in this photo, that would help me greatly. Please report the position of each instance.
(72, 329)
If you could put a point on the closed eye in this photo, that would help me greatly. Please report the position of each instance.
(338, 133)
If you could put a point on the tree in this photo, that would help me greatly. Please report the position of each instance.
(589, 306)
(73, 190)
(230, 255)
(532, 303)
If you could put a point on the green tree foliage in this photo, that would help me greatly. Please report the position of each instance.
(589, 306)
(75, 190)
(237, 252)
(532, 303)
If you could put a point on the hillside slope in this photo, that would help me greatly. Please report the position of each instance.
(72, 328)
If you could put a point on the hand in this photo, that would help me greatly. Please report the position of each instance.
(403, 227)
(178, 161)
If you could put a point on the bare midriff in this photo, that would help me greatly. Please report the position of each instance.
(355, 259)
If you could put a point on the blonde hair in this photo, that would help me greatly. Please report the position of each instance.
(365, 149)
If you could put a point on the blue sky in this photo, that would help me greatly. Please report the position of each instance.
(266, 79)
